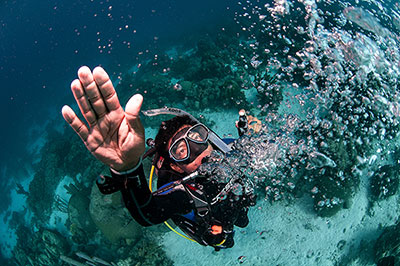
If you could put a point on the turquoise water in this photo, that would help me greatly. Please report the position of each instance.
(321, 76)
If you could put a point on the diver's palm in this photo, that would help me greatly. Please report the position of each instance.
(113, 141)
(114, 137)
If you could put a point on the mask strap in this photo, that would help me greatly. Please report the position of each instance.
(214, 138)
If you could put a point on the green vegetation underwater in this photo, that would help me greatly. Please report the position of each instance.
(323, 77)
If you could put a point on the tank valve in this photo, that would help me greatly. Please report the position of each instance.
(242, 123)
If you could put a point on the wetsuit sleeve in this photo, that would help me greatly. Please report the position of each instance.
(149, 208)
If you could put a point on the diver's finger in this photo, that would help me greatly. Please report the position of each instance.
(83, 102)
(106, 89)
(71, 118)
(132, 111)
(92, 91)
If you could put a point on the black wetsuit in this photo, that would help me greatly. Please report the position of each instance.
(191, 206)
(180, 202)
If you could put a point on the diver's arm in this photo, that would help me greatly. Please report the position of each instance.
(114, 136)
(149, 208)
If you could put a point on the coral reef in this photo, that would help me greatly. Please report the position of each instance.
(62, 155)
(81, 225)
(199, 79)
(387, 246)
(43, 247)
(332, 187)
(147, 253)
(122, 239)
(112, 218)
(346, 101)
(385, 182)
(348, 107)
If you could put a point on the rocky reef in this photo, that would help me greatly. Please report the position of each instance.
(330, 114)
(48, 247)
(385, 182)
(99, 228)
(62, 155)
(114, 220)
(386, 248)
(206, 76)
(43, 247)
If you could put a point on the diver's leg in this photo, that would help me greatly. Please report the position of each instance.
(242, 220)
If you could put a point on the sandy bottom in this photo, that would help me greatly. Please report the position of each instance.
(292, 234)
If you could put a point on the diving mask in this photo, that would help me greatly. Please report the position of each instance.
(189, 143)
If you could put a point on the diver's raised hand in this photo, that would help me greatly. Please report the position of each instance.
(113, 136)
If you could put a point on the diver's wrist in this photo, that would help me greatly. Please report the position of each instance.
(129, 170)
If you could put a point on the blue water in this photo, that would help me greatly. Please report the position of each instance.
(43, 43)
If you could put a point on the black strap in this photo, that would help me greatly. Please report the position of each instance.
(145, 208)
(201, 204)
(108, 185)
(138, 172)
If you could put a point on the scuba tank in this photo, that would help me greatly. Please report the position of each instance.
(242, 124)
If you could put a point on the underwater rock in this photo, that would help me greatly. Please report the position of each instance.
(332, 170)
(206, 46)
(186, 67)
(62, 155)
(343, 151)
(206, 77)
(112, 218)
(71, 261)
(331, 192)
(186, 85)
(146, 252)
(41, 248)
(384, 182)
(81, 226)
(54, 241)
(17, 218)
(126, 262)
(42, 187)
(387, 246)
(82, 259)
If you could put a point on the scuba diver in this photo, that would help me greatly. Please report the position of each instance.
(200, 206)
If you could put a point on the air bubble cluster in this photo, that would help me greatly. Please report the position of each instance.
(327, 78)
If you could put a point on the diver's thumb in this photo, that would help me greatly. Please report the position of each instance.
(132, 111)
